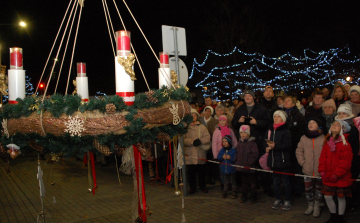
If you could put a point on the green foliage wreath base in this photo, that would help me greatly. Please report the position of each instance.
(77, 146)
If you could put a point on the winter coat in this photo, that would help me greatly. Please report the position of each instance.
(209, 127)
(300, 107)
(247, 154)
(279, 156)
(337, 163)
(226, 168)
(355, 107)
(195, 151)
(297, 125)
(312, 111)
(263, 119)
(329, 120)
(353, 139)
(269, 104)
(308, 153)
(339, 102)
(217, 141)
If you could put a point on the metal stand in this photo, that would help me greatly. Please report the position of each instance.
(176, 52)
(183, 169)
(41, 215)
(181, 138)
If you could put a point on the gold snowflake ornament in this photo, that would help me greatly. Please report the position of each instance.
(75, 126)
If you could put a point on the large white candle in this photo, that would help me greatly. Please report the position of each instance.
(164, 71)
(82, 85)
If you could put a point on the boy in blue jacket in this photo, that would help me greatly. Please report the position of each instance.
(227, 156)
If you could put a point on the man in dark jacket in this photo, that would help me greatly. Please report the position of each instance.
(255, 115)
(297, 125)
(268, 100)
(315, 110)
(258, 118)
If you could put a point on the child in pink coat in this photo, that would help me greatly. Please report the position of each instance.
(222, 130)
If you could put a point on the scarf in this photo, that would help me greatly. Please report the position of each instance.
(329, 119)
(278, 125)
(289, 110)
(313, 134)
(224, 130)
(350, 121)
(331, 143)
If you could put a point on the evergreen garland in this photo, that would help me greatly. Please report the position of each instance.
(68, 104)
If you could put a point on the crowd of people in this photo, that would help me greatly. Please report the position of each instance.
(315, 137)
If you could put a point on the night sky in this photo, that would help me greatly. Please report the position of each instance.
(269, 27)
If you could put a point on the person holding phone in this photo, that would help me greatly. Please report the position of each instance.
(258, 118)
(278, 145)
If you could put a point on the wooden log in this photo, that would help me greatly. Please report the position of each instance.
(95, 122)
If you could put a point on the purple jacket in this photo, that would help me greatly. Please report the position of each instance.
(217, 141)
(247, 154)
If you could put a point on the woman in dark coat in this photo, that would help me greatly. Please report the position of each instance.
(279, 148)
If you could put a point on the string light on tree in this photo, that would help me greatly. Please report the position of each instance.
(285, 72)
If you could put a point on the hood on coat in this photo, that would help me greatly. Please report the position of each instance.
(247, 140)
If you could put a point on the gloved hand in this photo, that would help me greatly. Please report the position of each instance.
(324, 177)
(197, 142)
(333, 178)
(329, 177)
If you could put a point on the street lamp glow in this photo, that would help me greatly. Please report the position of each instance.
(23, 24)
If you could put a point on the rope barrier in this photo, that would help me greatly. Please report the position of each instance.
(261, 170)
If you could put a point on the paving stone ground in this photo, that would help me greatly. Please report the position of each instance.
(69, 201)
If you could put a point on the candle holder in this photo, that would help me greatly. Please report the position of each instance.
(164, 60)
(123, 39)
(16, 58)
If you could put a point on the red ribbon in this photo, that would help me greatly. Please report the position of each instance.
(13, 102)
(168, 175)
(93, 171)
(125, 94)
(138, 165)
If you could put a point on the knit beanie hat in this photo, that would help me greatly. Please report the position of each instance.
(282, 114)
(211, 109)
(318, 121)
(329, 103)
(228, 138)
(250, 92)
(222, 117)
(355, 88)
(245, 128)
(194, 111)
(337, 84)
(345, 127)
(346, 108)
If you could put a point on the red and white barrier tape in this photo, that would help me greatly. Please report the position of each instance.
(261, 170)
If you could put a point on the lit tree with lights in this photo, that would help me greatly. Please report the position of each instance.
(287, 72)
